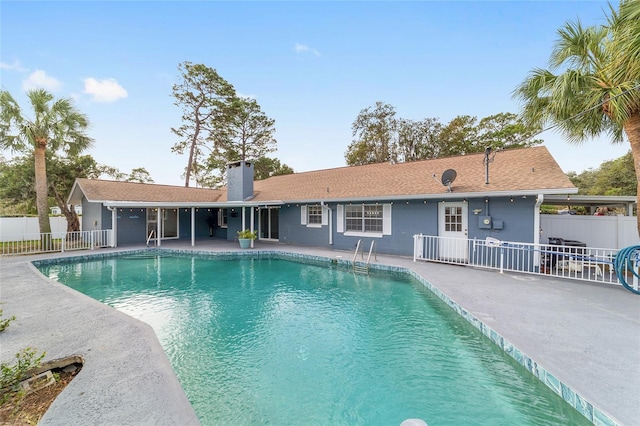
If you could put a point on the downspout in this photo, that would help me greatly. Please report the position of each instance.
(330, 225)
(324, 206)
(114, 224)
(536, 229)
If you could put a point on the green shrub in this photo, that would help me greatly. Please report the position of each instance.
(12, 374)
(4, 323)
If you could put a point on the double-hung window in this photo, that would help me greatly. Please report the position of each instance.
(314, 215)
(364, 218)
(370, 220)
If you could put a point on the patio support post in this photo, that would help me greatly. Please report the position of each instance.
(536, 231)
(193, 226)
(158, 226)
(251, 217)
(114, 224)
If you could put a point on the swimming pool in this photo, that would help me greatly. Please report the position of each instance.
(273, 341)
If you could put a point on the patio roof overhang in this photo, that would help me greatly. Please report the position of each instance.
(591, 200)
(174, 205)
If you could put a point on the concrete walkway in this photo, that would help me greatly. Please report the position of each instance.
(586, 335)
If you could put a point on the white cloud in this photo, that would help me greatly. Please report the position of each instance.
(105, 90)
(40, 80)
(303, 48)
(15, 66)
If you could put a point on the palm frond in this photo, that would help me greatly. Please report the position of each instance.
(579, 47)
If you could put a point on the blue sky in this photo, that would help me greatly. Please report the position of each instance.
(312, 66)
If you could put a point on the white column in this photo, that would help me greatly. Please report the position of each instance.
(114, 226)
(193, 226)
(158, 226)
(251, 216)
(536, 230)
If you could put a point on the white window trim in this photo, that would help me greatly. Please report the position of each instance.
(305, 221)
(386, 223)
(363, 234)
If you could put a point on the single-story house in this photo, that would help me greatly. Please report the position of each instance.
(470, 197)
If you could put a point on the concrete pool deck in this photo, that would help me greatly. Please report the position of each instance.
(587, 335)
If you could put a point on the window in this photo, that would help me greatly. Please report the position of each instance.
(453, 219)
(364, 218)
(314, 215)
(222, 218)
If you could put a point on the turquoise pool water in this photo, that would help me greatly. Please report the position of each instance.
(269, 341)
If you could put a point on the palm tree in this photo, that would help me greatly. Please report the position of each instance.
(56, 125)
(597, 90)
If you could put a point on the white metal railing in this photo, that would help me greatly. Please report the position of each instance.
(151, 235)
(581, 263)
(363, 268)
(55, 242)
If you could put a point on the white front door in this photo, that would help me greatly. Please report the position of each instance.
(453, 223)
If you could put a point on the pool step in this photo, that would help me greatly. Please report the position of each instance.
(361, 269)
(140, 256)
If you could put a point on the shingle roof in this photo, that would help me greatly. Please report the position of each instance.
(108, 190)
(516, 170)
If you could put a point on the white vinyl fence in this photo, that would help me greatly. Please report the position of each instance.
(595, 231)
(23, 228)
(575, 262)
(21, 235)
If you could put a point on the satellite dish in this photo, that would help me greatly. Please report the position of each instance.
(448, 177)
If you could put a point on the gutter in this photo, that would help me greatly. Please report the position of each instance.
(439, 196)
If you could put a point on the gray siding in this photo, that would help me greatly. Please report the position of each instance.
(132, 226)
(517, 218)
(410, 218)
(201, 222)
(234, 222)
(106, 216)
(92, 217)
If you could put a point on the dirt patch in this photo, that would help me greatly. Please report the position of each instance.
(23, 410)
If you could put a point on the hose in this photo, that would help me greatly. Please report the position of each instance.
(624, 260)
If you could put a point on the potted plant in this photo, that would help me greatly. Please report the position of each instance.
(245, 237)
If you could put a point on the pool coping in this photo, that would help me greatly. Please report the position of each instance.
(586, 407)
